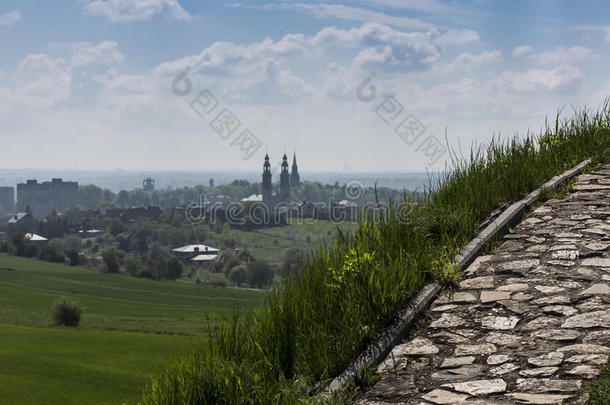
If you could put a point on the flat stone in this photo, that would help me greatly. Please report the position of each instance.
(477, 283)
(541, 385)
(448, 321)
(519, 265)
(460, 373)
(502, 339)
(567, 235)
(553, 299)
(495, 359)
(601, 337)
(565, 255)
(593, 304)
(514, 287)
(536, 239)
(537, 399)
(584, 370)
(444, 397)
(463, 298)
(442, 308)
(536, 248)
(450, 338)
(477, 263)
(418, 346)
(539, 372)
(596, 262)
(587, 348)
(492, 296)
(562, 247)
(599, 359)
(499, 322)
(521, 297)
(597, 289)
(542, 322)
(557, 334)
(393, 385)
(479, 387)
(479, 349)
(517, 307)
(449, 362)
(587, 272)
(549, 289)
(597, 246)
(588, 320)
(564, 263)
(504, 369)
(559, 310)
(548, 359)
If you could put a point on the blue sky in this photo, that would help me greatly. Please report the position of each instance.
(88, 83)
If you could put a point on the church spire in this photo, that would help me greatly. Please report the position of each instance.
(295, 179)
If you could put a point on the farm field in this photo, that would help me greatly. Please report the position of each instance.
(270, 244)
(130, 329)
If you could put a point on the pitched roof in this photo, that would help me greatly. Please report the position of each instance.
(195, 249)
(204, 258)
(34, 237)
(17, 217)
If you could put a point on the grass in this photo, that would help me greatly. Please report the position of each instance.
(599, 391)
(113, 301)
(130, 329)
(315, 324)
(72, 366)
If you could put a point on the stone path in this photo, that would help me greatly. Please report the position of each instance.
(529, 324)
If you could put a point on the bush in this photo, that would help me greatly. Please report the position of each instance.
(66, 312)
(239, 274)
(73, 257)
(51, 254)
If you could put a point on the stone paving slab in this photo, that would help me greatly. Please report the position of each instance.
(529, 325)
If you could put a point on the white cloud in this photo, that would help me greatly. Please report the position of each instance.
(343, 12)
(562, 78)
(418, 5)
(561, 56)
(106, 52)
(11, 18)
(469, 59)
(521, 50)
(457, 37)
(135, 10)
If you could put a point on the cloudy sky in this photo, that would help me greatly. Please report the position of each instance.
(354, 85)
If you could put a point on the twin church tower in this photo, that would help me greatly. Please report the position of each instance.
(287, 180)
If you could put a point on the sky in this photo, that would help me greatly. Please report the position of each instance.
(349, 85)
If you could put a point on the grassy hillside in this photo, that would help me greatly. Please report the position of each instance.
(316, 324)
(131, 328)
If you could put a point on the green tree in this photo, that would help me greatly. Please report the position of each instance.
(110, 260)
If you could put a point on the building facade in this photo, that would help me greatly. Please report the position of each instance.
(42, 198)
(7, 199)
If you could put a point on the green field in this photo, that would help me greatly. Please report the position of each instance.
(130, 329)
(270, 244)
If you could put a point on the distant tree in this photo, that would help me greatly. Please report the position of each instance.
(18, 241)
(110, 260)
(115, 226)
(238, 275)
(73, 256)
(260, 274)
(123, 200)
(174, 268)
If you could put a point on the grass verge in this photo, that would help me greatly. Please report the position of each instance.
(315, 324)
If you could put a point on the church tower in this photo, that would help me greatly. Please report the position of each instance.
(284, 180)
(266, 181)
(295, 180)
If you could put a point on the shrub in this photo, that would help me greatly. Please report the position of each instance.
(66, 312)
(238, 274)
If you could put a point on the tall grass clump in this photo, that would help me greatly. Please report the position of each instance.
(309, 329)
